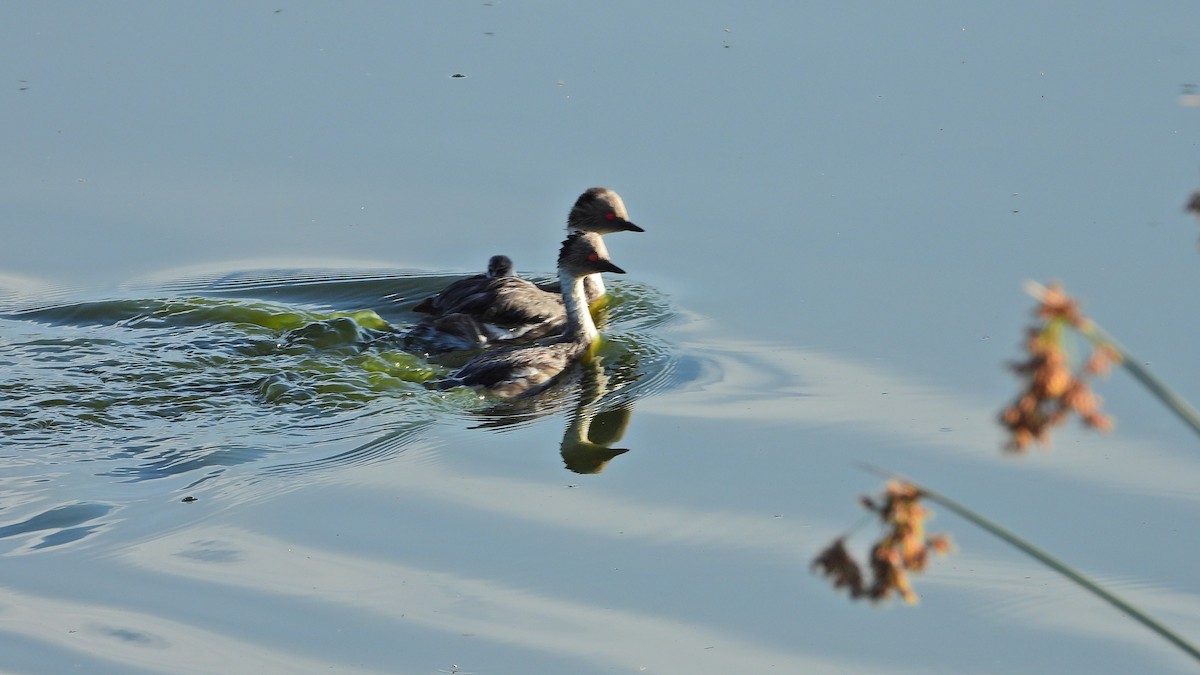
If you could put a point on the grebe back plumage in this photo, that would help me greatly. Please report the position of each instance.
(499, 267)
(525, 370)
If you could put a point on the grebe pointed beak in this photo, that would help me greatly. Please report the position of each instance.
(630, 227)
(607, 266)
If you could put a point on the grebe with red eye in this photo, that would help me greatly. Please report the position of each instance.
(474, 312)
(525, 370)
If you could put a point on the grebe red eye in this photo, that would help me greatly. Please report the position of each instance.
(593, 257)
(610, 216)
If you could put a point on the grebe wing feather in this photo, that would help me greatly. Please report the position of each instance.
(526, 303)
(452, 295)
(515, 365)
(449, 332)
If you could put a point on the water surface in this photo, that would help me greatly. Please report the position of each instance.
(215, 220)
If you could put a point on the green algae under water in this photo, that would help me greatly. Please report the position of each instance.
(205, 375)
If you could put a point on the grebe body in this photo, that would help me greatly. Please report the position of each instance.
(525, 370)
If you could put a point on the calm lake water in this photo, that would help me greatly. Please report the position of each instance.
(216, 456)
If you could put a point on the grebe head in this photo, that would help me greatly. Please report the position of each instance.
(583, 253)
(499, 266)
(600, 210)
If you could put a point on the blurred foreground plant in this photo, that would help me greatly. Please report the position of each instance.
(1051, 392)
(903, 548)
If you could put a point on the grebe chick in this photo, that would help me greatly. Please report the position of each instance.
(526, 370)
(461, 291)
(499, 266)
(599, 210)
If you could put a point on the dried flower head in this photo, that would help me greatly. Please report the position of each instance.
(889, 575)
(1055, 305)
(836, 563)
(1052, 391)
(902, 549)
(1193, 204)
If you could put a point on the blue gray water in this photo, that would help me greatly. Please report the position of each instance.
(214, 217)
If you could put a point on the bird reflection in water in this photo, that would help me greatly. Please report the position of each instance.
(596, 423)
(592, 431)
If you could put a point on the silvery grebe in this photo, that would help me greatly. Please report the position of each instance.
(506, 300)
(525, 370)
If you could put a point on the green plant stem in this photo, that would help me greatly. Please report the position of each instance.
(1176, 403)
(1063, 569)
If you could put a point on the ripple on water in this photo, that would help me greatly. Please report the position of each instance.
(274, 372)
(58, 525)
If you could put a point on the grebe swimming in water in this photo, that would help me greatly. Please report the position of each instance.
(485, 308)
(526, 370)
